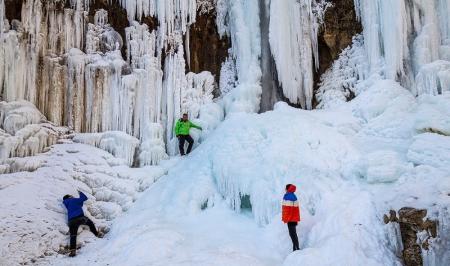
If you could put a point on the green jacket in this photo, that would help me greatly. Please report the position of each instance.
(182, 128)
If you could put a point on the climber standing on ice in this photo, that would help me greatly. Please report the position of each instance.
(291, 214)
(182, 132)
(76, 218)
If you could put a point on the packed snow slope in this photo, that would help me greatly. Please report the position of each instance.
(221, 205)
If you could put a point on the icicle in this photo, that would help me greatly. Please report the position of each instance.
(388, 28)
(2, 19)
(293, 40)
(75, 90)
(174, 83)
(173, 15)
(243, 27)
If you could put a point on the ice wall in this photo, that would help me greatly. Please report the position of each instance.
(69, 64)
(405, 39)
(240, 20)
(293, 33)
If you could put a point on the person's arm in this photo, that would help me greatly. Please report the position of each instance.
(177, 128)
(82, 196)
(195, 126)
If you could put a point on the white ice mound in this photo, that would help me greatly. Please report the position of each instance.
(24, 131)
(431, 149)
(433, 114)
(119, 144)
(385, 166)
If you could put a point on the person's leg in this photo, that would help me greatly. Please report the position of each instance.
(292, 226)
(181, 141)
(91, 225)
(73, 231)
(190, 140)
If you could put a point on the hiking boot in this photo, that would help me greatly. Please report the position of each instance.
(72, 253)
(100, 235)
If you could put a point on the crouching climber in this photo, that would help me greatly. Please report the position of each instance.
(291, 214)
(76, 218)
(182, 128)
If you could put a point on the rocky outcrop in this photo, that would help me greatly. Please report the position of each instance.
(412, 222)
(207, 50)
(339, 27)
(13, 9)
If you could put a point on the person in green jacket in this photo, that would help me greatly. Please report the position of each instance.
(182, 128)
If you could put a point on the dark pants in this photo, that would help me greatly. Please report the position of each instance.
(292, 226)
(73, 229)
(181, 140)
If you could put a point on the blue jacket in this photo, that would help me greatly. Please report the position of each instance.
(75, 206)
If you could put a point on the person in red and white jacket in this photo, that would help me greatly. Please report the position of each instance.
(291, 214)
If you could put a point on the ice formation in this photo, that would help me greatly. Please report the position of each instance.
(88, 86)
(388, 29)
(293, 41)
(117, 143)
(35, 223)
(24, 131)
(342, 80)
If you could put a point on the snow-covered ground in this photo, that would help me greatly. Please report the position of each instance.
(33, 219)
(221, 205)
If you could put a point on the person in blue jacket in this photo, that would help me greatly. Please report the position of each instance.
(75, 217)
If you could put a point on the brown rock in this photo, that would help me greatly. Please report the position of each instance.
(207, 50)
(336, 34)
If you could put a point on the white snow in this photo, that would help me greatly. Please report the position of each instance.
(34, 223)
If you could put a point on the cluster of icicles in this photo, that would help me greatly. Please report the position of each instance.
(72, 70)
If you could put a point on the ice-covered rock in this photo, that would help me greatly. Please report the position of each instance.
(118, 143)
(24, 131)
(433, 114)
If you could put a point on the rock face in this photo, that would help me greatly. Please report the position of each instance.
(336, 34)
(207, 51)
(411, 223)
(13, 9)
(340, 25)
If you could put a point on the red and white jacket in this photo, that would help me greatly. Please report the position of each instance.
(290, 207)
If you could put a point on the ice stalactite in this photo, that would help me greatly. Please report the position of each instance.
(2, 18)
(403, 37)
(173, 15)
(69, 65)
(240, 20)
(293, 41)
(175, 79)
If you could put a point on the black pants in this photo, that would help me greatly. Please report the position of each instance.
(292, 226)
(73, 229)
(181, 140)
